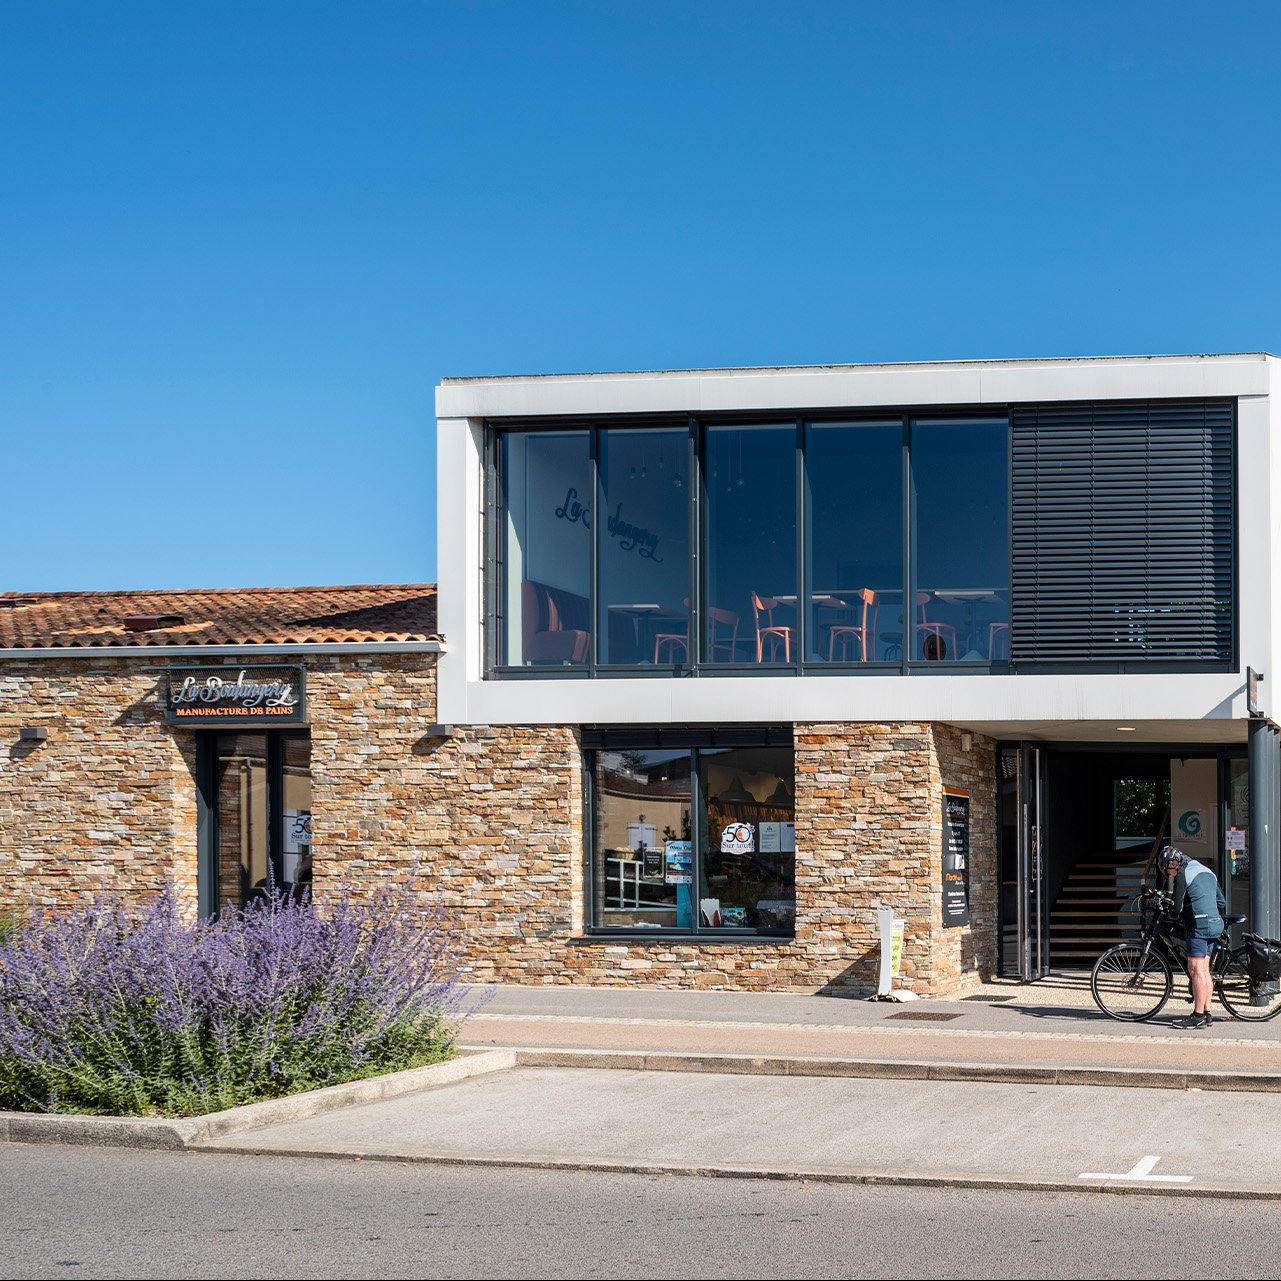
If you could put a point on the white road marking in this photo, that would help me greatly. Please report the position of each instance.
(1142, 1171)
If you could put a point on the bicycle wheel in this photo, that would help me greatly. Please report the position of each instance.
(1128, 986)
(1236, 992)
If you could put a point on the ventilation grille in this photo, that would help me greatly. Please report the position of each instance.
(1123, 532)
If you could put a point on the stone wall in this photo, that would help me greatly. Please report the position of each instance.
(493, 817)
(108, 801)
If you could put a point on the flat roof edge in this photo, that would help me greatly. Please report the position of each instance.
(982, 362)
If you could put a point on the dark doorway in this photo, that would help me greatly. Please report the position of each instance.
(1080, 841)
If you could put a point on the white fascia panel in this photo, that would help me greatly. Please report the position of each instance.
(802, 388)
(459, 444)
(1266, 581)
(749, 700)
(1143, 379)
(1257, 534)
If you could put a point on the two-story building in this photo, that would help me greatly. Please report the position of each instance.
(961, 639)
(720, 662)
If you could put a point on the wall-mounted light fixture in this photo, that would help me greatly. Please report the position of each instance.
(439, 731)
(33, 734)
(967, 741)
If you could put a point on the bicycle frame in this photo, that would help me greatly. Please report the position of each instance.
(1160, 933)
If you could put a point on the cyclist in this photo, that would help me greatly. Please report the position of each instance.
(1200, 904)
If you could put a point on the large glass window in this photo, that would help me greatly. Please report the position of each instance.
(643, 547)
(749, 475)
(694, 839)
(895, 549)
(854, 541)
(545, 576)
(959, 602)
(641, 836)
(748, 871)
(260, 834)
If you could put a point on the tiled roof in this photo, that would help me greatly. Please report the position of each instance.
(252, 616)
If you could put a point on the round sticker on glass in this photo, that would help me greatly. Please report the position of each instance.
(738, 838)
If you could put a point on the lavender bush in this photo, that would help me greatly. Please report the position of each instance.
(139, 1010)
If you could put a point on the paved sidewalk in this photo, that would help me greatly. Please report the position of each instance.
(1019, 1088)
(1052, 1023)
(972, 1134)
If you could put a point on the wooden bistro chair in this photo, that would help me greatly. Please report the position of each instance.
(722, 637)
(774, 633)
(849, 633)
(998, 641)
(944, 633)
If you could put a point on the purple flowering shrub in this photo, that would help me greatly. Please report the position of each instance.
(112, 1008)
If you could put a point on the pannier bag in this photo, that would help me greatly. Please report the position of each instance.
(1265, 958)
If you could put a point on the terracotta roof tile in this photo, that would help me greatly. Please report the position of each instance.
(249, 616)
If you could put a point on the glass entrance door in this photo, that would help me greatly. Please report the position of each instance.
(1034, 911)
(256, 837)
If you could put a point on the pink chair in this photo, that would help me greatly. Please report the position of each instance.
(998, 637)
(773, 633)
(722, 637)
(845, 633)
(944, 633)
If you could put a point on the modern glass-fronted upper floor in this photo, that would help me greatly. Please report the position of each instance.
(1094, 535)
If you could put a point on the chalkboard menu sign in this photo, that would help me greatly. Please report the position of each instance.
(956, 857)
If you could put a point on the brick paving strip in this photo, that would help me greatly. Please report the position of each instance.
(1182, 1054)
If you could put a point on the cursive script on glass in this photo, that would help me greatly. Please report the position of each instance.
(573, 510)
(634, 537)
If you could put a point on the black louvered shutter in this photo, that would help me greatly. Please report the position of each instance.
(1123, 532)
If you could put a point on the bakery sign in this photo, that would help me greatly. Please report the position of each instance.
(236, 696)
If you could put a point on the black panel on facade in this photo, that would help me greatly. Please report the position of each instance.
(1123, 532)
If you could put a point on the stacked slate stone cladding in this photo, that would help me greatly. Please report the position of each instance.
(108, 801)
(493, 819)
(495, 816)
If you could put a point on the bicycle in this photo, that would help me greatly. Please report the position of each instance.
(1132, 981)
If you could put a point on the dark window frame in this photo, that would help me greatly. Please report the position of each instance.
(696, 425)
(208, 854)
(694, 741)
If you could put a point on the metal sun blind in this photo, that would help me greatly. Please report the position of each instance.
(1122, 531)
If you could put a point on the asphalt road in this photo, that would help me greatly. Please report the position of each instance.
(71, 1212)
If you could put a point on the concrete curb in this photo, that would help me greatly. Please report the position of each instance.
(177, 1134)
(783, 1174)
(897, 1069)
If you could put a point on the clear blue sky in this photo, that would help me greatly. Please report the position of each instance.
(240, 243)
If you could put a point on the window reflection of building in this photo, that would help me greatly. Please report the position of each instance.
(639, 793)
(644, 801)
(578, 587)
(755, 889)
(262, 815)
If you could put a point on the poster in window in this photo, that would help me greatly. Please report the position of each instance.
(297, 842)
(956, 857)
(679, 857)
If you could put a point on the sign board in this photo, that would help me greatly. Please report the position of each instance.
(679, 858)
(297, 843)
(891, 960)
(1194, 804)
(1252, 679)
(956, 857)
(257, 696)
(777, 838)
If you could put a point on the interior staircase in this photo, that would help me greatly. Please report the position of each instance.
(1094, 908)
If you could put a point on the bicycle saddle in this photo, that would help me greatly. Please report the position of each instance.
(1234, 920)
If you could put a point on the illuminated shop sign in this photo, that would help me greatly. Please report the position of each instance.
(236, 695)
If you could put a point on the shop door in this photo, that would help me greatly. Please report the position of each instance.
(1033, 920)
